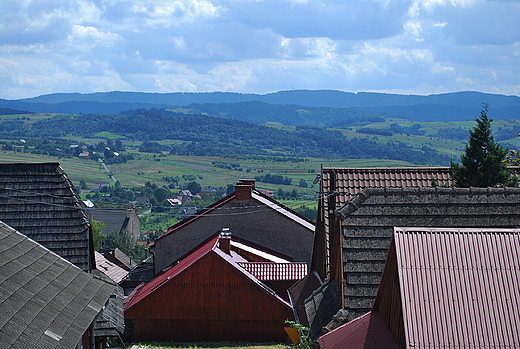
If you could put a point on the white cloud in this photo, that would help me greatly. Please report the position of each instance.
(258, 45)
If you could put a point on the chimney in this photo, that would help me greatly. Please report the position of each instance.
(250, 182)
(243, 189)
(224, 241)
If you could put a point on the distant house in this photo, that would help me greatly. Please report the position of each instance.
(186, 212)
(442, 288)
(212, 294)
(209, 190)
(184, 197)
(119, 258)
(47, 302)
(249, 215)
(142, 200)
(118, 220)
(84, 155)
(98, 186)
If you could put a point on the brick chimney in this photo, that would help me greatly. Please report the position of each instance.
(244, 189)
(224, 241)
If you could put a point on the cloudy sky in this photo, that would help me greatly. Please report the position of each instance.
(259, 46)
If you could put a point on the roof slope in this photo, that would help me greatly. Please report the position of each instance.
(40, 201)
(466, 282)
(368, 221)
(368, 331)
(45, 301)
(338, 185)
(111, 270)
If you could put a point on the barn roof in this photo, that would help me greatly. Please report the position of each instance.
(45, 301)
(368, 220)
(40, 201)
(210, 246)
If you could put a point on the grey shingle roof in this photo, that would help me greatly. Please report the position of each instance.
(368, 221)
(45, 301)
(40, 201)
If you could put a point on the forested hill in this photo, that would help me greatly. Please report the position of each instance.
(327, 104)
(213, 136)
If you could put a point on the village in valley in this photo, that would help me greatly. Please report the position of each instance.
(391, 257)
(394, 256)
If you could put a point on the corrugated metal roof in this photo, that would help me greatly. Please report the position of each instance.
(113, 271)
(276, 271)
(459, 288)
(368, 331)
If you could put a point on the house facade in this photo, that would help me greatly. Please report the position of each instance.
(213, 294)
(249, 215)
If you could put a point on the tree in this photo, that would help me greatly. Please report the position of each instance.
(482, 165)
(161, 194)
(97, 235)
(513, 158)
(194, 187)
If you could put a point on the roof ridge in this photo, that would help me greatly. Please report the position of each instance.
(359, 199)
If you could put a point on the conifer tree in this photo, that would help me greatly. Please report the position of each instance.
(483, 163)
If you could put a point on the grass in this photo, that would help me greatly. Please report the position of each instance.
(219, 345)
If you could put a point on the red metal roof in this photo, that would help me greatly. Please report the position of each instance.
(276, 271)
(368, 331)
(459, 288)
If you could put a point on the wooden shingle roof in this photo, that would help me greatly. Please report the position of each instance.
(368, 220)
(338, 185)
(45, 301)
(40, 201)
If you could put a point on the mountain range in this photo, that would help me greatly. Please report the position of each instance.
(441, 107)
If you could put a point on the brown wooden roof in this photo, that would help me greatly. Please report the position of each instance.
(338, 185)
(40, 201)
(45, 301)
(454, 288)
(368, 220)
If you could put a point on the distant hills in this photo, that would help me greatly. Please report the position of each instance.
(324, 107)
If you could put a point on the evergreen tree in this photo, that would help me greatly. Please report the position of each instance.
(482, 165)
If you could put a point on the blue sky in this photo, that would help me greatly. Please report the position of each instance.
(259, 46)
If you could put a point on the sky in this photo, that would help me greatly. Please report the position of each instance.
(259, 46)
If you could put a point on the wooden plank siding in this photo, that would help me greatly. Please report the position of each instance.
(210, 301)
